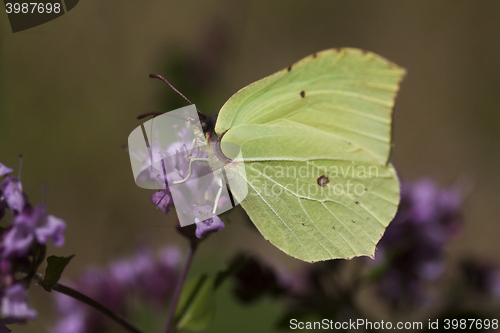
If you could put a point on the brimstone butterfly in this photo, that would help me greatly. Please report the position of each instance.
(315, 140)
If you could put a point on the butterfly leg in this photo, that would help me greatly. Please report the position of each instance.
(191, 160)
(217, 197)
(192, 147)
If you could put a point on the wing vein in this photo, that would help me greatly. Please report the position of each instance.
(279, 217)
(383, 198)
(345, 240)
(326, 250)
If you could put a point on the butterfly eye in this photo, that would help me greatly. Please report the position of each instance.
(204, 126)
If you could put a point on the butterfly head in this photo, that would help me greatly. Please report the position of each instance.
(208, 125)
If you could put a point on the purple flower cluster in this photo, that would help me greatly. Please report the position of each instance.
(163, 198)
(413, 244)
(482, 276)
(144, 277)
(31, 228)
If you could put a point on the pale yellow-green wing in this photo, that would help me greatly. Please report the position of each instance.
(329, 116)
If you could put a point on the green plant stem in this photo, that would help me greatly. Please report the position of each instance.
(178, 289)
(93, 303)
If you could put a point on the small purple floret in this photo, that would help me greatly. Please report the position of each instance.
(51, 228)
(17, 241)
(30, 225)
(12, 191)
(4, 170)
(162, 199)
(212, 224)
(15, 303)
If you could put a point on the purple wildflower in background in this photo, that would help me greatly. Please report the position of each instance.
(30, 225)
(74, 322)
(414, 243)
(163, 198)
(17, 242)
(482, 277)
(210, 225)
(4, 170)
(151, 277)
(295, 282)
(177, 165)
(144, 276)
(77, 317)
(12, 192)
(15, 303)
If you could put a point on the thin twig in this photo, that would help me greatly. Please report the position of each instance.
(93, 303)
(178, 289)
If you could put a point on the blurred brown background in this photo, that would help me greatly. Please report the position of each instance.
(71, 88)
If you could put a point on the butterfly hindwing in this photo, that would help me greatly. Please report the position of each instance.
(329, 116)
(311, 222)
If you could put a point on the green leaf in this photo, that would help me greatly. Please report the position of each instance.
(233, 268)
(55, 267)
(146, 319)
(196, 307)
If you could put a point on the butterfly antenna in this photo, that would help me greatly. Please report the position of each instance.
(144, 115)
(156, 76)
